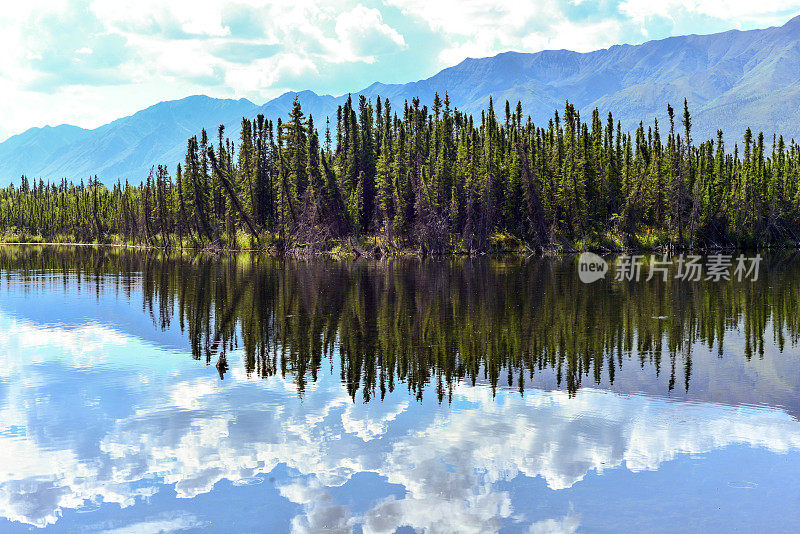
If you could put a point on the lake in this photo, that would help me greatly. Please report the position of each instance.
(145, 392)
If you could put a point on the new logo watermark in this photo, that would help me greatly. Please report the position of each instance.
(688, 268)
(591, 267)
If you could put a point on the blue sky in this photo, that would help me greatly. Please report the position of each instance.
(88, 62)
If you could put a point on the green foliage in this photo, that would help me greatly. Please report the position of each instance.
(504, 241)
(433, 178)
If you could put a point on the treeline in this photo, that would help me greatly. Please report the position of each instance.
(430, 325)
(438, 179)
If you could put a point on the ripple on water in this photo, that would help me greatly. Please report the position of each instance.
(88, 507)
(248, 481)
(742, 484)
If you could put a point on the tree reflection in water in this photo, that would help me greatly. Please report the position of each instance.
(421, 323)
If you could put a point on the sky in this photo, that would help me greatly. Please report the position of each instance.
(88, 62)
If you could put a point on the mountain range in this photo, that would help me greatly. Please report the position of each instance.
(732, 80)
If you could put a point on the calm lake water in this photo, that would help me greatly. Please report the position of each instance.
(441, 396)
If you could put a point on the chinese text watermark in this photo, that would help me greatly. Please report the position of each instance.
(684, 267)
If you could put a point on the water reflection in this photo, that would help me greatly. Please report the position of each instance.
(377, 397)
(502, 322)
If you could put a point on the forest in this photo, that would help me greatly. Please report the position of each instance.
(434, 180)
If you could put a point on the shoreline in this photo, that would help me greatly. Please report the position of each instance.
(377, 254)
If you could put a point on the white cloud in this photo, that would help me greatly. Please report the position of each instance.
(194, 432)
(90, 62)
(253, 77)
(565, 525)
(476, 28)
(370, 421)
(193, 17)
(87, 62)
(364, 34)
(83, 344)
(736, 11)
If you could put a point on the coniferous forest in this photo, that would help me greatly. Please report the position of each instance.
(437, 180)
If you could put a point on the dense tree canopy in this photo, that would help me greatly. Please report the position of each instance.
(437, 179)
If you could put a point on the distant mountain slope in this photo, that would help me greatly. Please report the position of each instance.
(733, 80)
(36, 147)
(123, 149)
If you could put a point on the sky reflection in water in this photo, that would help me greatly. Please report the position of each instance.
(108, 424)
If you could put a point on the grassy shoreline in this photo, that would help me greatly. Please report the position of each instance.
(374, 247)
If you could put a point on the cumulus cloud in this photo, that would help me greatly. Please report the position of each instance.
(244, 52)
(321, 513)
(82, 344)
(369, 421)
(87, 62)
(364, 34)
(124, 59)
(178, 18)
(190, 432)
(476, 28)
(564, 525)
(736, 11)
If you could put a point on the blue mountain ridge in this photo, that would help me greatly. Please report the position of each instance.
(732, 80)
